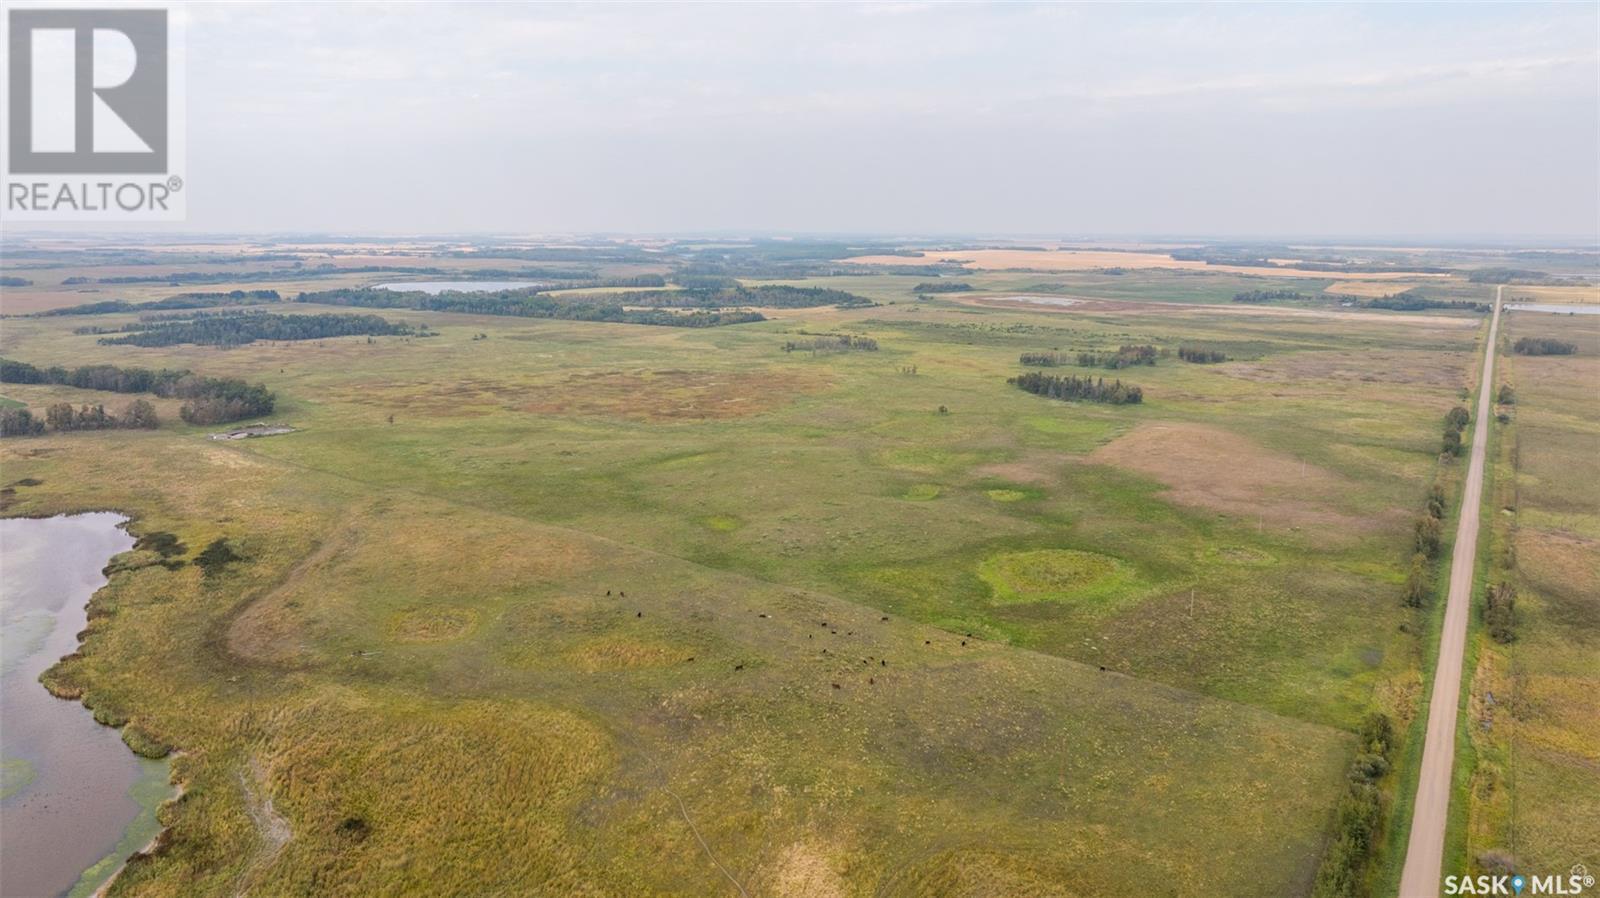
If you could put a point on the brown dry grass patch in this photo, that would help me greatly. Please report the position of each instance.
(1575, 293)
(1368, 288)
(808, 870)
(624, 653)
(1034, 469)
(433, 623)
(672, 395)
(1445, 370)
(1207, 467)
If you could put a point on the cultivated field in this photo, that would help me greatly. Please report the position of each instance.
(1078, 260)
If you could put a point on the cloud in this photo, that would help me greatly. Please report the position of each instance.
(346, 92)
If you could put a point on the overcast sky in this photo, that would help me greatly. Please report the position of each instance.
(1380, 121)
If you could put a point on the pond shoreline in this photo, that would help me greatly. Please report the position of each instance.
(150, 786)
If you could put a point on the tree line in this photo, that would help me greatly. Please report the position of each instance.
(62, 417)
(210, 400)
(181, 301)
(526, 304)
(1358, 822)
(942, 287)
(1543, 346)
(1455, 422)
(1201, 356)
(1071, 387)
(1260, 296)
(237, 329)
(1411, 302)
(1427, 535)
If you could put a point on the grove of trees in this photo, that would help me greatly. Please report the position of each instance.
(211, 400)
(1124, 357)
(237, 329)
(1049, 359)
(1071, 387)
(1543, 346)
(1201, 356)
(832, 343)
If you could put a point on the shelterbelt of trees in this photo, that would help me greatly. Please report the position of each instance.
(211, 400)
(239, 328)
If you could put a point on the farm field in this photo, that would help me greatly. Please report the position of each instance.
(1534, 785)
(540, 605)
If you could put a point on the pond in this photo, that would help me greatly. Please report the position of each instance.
(74, 801)
(437, 287)
(1554, 308)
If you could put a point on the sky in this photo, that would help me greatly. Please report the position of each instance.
(1380, 121)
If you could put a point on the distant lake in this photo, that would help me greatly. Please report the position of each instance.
(1554, 308)
(1038, 300)
(437, 287)
(74, 801)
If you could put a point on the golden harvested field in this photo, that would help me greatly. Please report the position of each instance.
(1565, 294)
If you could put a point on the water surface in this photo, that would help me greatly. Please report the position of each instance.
(1554, 307)
(74, 801)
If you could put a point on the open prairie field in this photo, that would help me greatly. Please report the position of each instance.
(621, 609)
(1536, 786)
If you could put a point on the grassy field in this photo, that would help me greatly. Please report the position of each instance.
(610, 609)
(1534, 734)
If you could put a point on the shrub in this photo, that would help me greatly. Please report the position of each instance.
(1426, 533)
(1436, 500)
(1050, 359)
(1419, 582)
(1451, 444)
(1500, 612)
(215, 556)
(1201, 356)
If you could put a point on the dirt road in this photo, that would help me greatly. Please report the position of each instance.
(1421, 876)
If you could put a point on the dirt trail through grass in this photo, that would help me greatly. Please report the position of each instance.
(1425, 850)
(271, 825)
